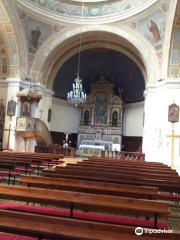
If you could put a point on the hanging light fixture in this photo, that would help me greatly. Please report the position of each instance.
(77, 96)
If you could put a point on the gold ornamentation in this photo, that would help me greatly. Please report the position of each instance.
(8, 28)
(165, 8)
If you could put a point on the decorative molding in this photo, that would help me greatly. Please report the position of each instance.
(102, 12)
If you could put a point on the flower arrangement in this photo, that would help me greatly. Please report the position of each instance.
(65, 145)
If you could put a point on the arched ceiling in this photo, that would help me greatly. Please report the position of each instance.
(90, 40)
(59, 37)
(97, 62)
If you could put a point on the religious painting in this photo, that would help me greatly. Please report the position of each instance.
(173, 114)
(30, 125)
(49, 115)
(100, 109)
(153, 28)
(86, 118)
(21, 124)
(25, 109)
(11, 109)
(36, 33)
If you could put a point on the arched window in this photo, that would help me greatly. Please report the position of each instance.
(114, 119)
(86, 118)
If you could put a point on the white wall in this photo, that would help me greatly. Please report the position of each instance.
(156, 144)
(133, 119)
(65, 118)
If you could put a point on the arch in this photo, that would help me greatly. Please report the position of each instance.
(145, 50)
(58, 62)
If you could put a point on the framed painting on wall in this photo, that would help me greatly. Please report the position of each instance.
(173, 113)
(11, 109)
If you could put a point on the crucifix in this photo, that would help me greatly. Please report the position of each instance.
(172, 145)
(9, 131)
(41, 112)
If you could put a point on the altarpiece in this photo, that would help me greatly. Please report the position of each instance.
(101, 117)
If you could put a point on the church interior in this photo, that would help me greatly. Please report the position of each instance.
(89, 119)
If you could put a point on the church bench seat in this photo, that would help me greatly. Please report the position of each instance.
(119, 170)
(2, 179)
(38, 166)
(163, 185)
(10, 174)
(125, 163)
(8, 169)
(130, 191)
(57, 228)
(20, 169)
(121, 166)
(117, 175)
(90, 202)
(170, 197)
(97, 217)
(7, 236)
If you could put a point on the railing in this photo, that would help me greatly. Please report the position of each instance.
(28, 127)
(123, 155)
(56, 149)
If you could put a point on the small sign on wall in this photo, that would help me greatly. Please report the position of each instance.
(173, 113)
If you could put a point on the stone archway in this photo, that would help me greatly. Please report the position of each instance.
(145, 51)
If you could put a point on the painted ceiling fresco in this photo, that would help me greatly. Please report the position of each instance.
(97, 62)
(92, 9)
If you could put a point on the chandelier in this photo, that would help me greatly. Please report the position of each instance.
(77, 96)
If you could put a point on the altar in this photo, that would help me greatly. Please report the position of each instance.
(89, 151)
(101, 118)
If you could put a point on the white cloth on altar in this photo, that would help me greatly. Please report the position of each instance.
(91, 146)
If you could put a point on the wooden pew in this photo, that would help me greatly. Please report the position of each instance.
(114, 170)
(55, 228)
(125, 162)
(90, 202)
(121, 169)
(42, 159)
(122, 166)
(163, 185)
(8, 169)
(117, 175)
(99, 159)
(41, 156)
(91, 187)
